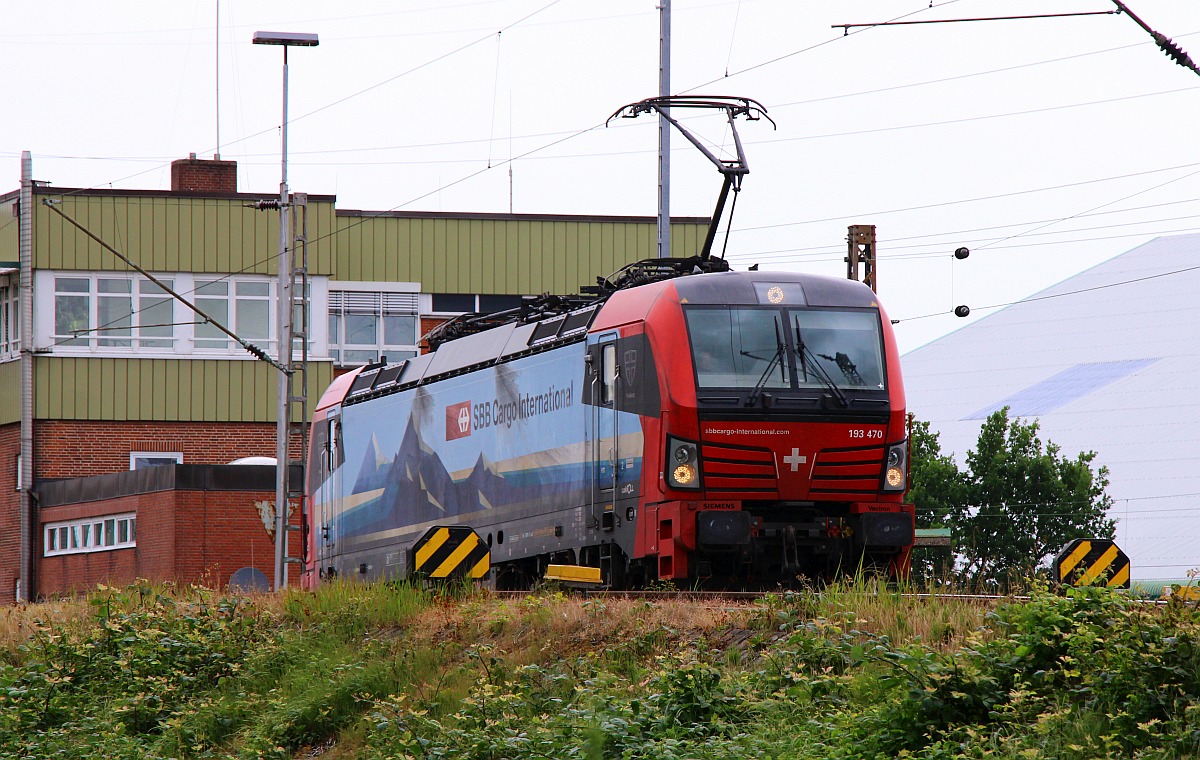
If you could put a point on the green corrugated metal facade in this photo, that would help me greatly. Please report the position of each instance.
(166, 390)
(161, 232)
(446, 253)
(174, 232)
(9, 231)
(10, 392)
(497, 254)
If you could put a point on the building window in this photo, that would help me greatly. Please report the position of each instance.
(90, 313)
(101, 311)
(467, 303)
(243, 306)
(93, 534)
(490, 304)
(10, 319)
(139, 460)
(365, 325)
(454, 303)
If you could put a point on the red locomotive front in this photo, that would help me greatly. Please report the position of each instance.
(780, 448)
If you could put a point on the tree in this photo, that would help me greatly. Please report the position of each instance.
(1017, 503)
(937, 488)
(937, 485)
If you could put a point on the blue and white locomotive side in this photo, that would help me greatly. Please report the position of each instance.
(504, 449)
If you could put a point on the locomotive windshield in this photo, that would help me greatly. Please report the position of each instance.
(739, 348)
(763, 348)
(844, 344)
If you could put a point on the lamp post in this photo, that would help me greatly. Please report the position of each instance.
(283, 319)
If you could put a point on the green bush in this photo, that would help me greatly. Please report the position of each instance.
(396, 672)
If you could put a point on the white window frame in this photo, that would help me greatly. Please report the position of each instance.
(134, 456)
(100, 336)
(377, 299)
(183, 340)
(104, 533)
(10, 317)
(237, 295)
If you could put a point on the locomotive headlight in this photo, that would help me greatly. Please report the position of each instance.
(684, 476)
(683, 464)
(895, 476)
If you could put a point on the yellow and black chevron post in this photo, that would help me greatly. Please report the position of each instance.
(449, 552)
(1092, 562)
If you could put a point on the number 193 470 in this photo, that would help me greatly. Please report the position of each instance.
(866, 434)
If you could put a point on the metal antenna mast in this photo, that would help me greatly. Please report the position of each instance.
(664, 131)
(732, 170)
(286, 303)
(860, 239)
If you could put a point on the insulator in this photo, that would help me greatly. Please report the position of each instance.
(962, 311)
(962, 252)
(1173, 51)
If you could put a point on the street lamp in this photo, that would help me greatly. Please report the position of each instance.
(284, 316)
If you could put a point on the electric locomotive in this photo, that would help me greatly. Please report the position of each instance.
(721, 429)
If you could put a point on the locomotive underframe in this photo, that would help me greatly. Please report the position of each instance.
(777, 543)
(770, 543)
(762, 544)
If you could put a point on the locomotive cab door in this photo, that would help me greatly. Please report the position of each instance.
(604, 449)
(326, 475)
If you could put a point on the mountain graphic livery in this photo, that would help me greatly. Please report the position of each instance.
(417, 488)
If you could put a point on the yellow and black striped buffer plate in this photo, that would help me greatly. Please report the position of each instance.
(450, 552)
(1092, 562)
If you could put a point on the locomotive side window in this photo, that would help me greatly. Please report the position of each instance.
(846, 345)
(325, 452)
(608, 364)
(318, 459)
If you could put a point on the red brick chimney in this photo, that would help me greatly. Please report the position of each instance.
(195, 175)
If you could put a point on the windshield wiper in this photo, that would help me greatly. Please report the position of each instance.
(805, 351)
(752, 399)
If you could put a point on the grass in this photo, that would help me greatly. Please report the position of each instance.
(357, 671)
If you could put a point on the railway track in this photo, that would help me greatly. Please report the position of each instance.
(733, 596)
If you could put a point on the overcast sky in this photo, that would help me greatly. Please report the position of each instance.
(1045, 146)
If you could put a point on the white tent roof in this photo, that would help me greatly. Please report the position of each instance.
(1107, 361)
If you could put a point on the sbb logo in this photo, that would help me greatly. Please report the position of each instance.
(458, 420)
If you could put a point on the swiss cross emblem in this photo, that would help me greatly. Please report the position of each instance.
(795, 459)
(458, 420)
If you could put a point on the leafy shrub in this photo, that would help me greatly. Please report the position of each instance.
(1092, 656)
(158, 672)
(148, 656)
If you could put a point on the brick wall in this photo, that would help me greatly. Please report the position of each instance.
(194, 175)
(219, 532)
(427, 324)
(155, 556)
(189, 537)
(80, 448)
(10, 512)
(68, 573)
